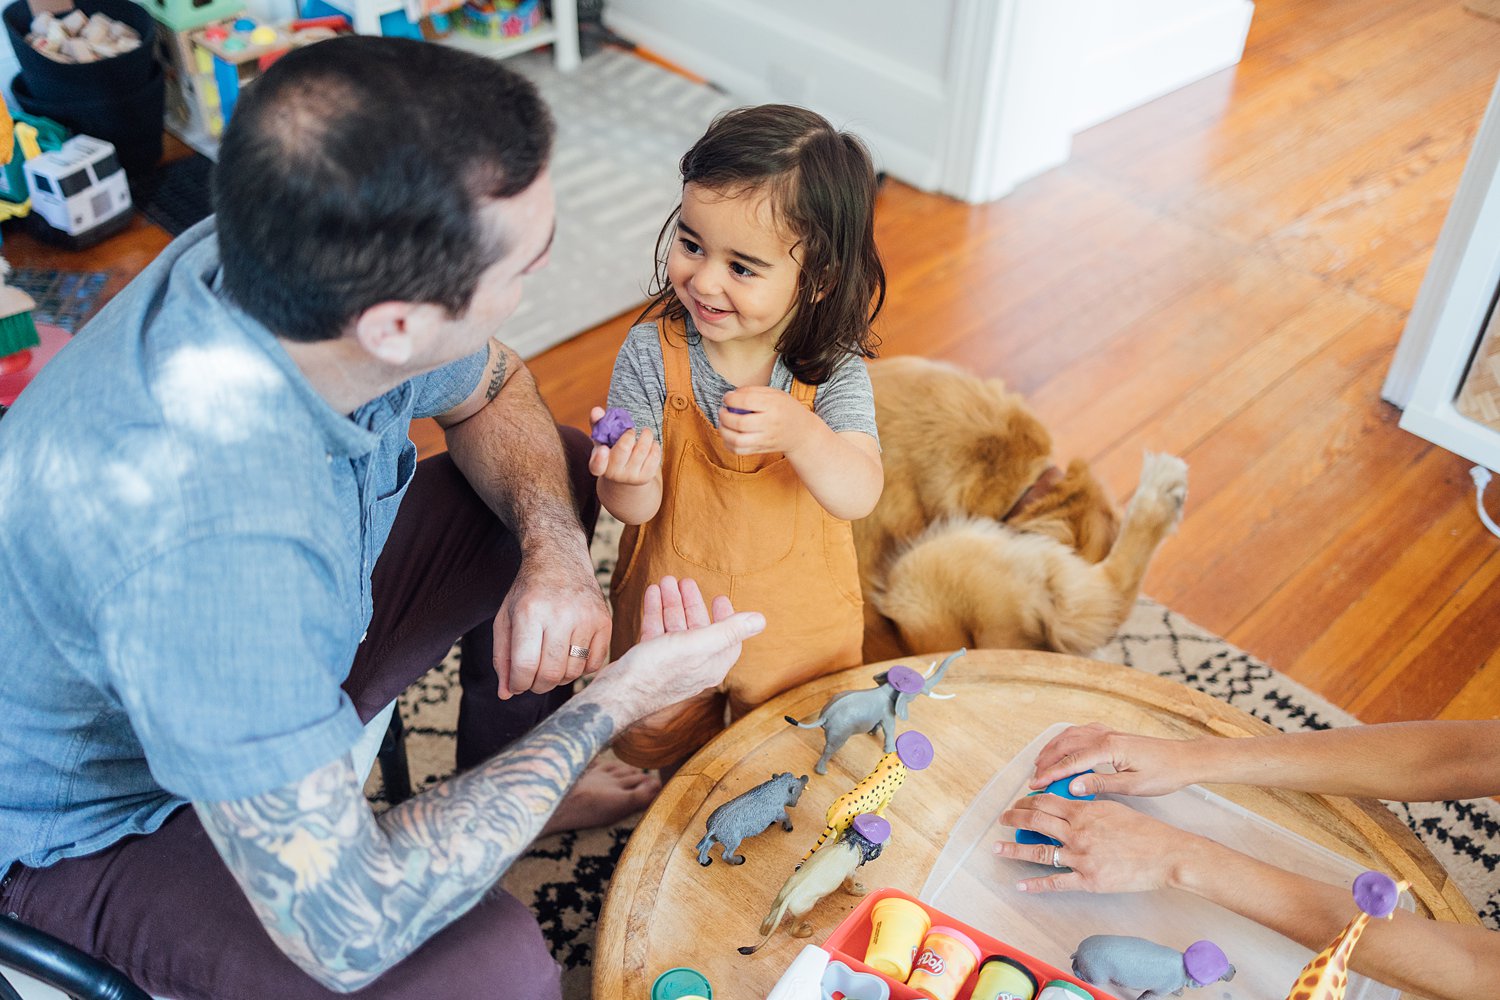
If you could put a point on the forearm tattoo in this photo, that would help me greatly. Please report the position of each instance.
(498, 358)
(346, 895)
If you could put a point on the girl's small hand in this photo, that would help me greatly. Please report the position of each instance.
(633, 460)
(775, 421)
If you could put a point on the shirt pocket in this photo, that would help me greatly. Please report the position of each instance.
(733, 522)
(388, 496)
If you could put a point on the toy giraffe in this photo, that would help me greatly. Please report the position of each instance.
(1326, 977)
(873, 794)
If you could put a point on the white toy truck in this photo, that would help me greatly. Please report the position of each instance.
(79, 191)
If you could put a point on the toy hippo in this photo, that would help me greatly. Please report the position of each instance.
(850, 712)
(862, 841)
(874, 792)
(750, 813)
(1132, 963)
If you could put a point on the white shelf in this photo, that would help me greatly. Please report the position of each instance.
(194, 139)
(500, 48)
(561, 32)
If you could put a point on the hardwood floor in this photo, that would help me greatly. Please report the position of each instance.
(1222, 274)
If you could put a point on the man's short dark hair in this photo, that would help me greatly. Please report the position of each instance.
(353, 172)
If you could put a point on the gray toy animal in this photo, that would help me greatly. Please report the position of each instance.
(850, 712)
(1133, 963)
(750, 813)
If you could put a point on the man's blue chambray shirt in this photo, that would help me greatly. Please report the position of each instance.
(187, 532)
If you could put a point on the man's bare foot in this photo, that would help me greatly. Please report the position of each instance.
(609, 791)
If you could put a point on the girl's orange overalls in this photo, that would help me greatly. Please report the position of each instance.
(746, 527)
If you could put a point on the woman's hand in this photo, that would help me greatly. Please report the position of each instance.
(1143, 765)
(1109, 847)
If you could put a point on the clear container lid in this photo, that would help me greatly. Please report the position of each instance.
(978, 887)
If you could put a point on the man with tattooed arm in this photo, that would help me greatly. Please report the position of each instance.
(219, 557)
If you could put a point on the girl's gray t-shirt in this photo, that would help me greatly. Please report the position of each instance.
(639, 384)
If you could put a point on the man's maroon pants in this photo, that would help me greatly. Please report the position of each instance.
(164, 910)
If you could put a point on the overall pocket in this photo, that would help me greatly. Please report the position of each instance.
(733, 522)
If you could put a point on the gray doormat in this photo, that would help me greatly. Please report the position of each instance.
(622, 126)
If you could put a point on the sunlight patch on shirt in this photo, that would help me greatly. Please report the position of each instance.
(221, 392)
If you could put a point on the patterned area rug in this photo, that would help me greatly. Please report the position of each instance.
(564, 878)
(622, 126)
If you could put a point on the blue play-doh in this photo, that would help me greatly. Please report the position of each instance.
(1060, 788)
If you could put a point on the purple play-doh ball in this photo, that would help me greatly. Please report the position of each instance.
(736, 409)
(914, 750)
(875, 829)
(1376, 894)
(1205, 962)
(904, 679)
(615, 422)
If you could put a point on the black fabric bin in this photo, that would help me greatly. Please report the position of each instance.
(120, 99)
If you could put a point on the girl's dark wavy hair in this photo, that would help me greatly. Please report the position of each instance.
(822, 189)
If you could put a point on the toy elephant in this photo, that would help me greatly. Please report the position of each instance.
(1132, 963)
(827, 870)
(850, 712)
(749, 813)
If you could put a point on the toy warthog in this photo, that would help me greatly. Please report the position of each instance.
(1132, 963)
(850, 712)
(750, 813)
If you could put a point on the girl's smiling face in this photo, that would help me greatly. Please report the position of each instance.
(731, 266)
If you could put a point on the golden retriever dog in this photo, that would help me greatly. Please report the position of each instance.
(979, 540)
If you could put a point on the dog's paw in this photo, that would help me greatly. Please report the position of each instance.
(1162, 490)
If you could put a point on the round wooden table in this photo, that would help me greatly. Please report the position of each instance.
(664, 910)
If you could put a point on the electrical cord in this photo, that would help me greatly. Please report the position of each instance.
(1481, 477)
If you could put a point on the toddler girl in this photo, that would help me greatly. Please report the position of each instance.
(755, 441)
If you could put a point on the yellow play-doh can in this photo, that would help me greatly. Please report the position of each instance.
(897, 927)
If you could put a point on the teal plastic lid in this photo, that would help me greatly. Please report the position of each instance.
(674, 984)
(1061, 989)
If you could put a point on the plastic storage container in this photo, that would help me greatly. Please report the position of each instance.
(971, 883)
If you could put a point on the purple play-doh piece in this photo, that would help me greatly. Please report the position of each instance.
(914, 749)
(904, 679)
(1205, 962)
(873, 828)
(1376, 894)
(615, 422)
(736, 409)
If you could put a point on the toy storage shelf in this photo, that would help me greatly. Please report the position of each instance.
(561, 31)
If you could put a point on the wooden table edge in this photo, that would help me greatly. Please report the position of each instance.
(1406, 857)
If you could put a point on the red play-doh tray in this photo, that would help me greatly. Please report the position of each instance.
(849, 940)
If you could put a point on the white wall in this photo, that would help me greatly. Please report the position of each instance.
(868, 65)
(969, 97)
